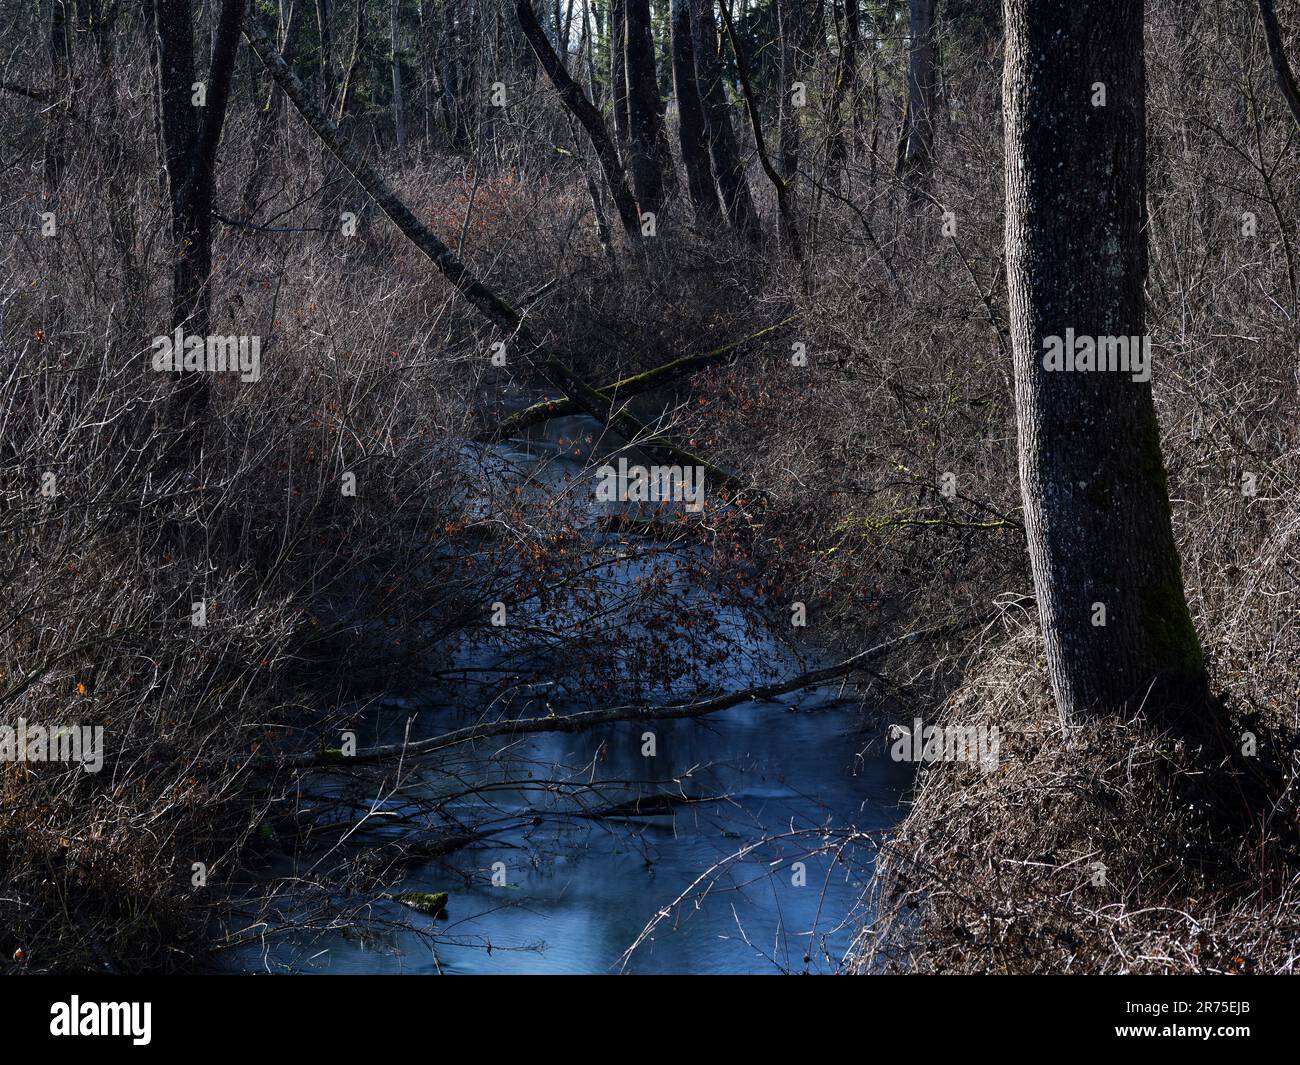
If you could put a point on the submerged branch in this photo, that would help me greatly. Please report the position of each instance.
(641, 712)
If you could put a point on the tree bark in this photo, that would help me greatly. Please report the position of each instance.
(916, 141)
(1281, 68)
(692, 133)
(587, 48)
(349, 94)
(1097, 513)
(728, 167)
(399, 111)
(790, 22)
(618, 71)
(650, 175)
(190, 138)
(573, 98)
(56, 131)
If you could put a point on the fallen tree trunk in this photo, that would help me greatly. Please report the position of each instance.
(586, 719)
(627, 387)
(496, 310)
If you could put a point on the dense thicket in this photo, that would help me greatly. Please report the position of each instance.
(841, 186)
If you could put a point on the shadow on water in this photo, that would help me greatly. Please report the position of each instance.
(765, 873)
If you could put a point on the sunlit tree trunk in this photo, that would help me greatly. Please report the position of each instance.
(325, 31)
(348, 97)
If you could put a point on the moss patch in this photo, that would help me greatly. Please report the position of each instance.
(431, 904)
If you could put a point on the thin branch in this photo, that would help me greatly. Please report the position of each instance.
(639, 712)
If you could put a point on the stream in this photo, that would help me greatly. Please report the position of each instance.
(767, 876)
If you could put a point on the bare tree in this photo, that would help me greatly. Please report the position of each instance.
(618, 70)
(451, 75)
(652, 172)
(573, 98)
(190, 136)
(916, 141)
(728, 167)
(692, 134)
(325, 30)
(791, 28)
(782, 186)
(271, 114)
(349, 92)
(1097, 517)
(846, 73)
(399, 111)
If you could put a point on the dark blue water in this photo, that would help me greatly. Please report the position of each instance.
(769, 876)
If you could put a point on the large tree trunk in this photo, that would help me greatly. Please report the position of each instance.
(618, 71)
(190, 138)
(916, 141)
(399, 111)
(727, 164)
(651, 171)
(690, 119)
(349, 94)
(1096, 504)
(1281, 68)
(790, 22)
